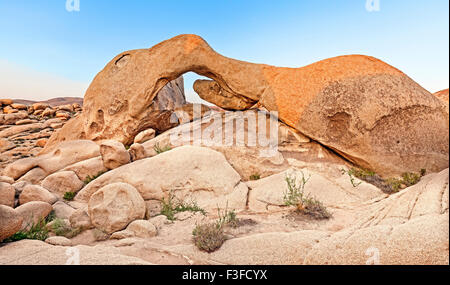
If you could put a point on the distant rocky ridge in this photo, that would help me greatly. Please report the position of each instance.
(53, 102)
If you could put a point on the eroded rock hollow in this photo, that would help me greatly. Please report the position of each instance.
(366, 110)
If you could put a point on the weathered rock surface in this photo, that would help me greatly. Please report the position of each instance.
(80, 219)
(366, 110)
(57, 240)
(410, 227)
(10, 222)
(36, 193)
(114, 154)
(10, 119)
(156, 177)
(262, 157)
(33, 252)
(65, 154)
(114, 206)
(333, 191)
(6, 179)
(159, 115)
(61, 182)
(137, 151)
(62, 210)
(443, 96)
(87, 168)
(138, 228)
(33, 212)
(144, 136)
(7, 194)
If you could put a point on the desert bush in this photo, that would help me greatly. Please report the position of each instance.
(226, 217)
(60, 228)
(306, 205)
(208, 237)
(160, 149)
(172, 206)
(390, 185)
(294, 194)
(89, 178)
(255, 177)
(69, 196)
(37, 231)
(314, 209)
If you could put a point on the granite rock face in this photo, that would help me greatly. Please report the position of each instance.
(366, 110)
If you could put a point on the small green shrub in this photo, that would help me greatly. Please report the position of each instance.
(37, 231)
(171, 206)
(208, 237)
(389, 186)
(226, 217)
(255, 177)
(294, 194)
(89, 179)
(50, 217)
(314, 209)
(351, 173)
(410, 179)
(160, 149)
(69, 196)
(60, 228)
(306, 205)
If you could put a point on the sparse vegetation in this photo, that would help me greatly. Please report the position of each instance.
(306, 205)
(69, 196)
(51, 217)
(208, 237)
(226, 217)
(61, 228)
(351, 174)
(294, 194)
(255, 177)
(172, 206)
(160, 149)
(313, 208)
(89, 178)
(36, 231)
(99, 235)
(389, 186)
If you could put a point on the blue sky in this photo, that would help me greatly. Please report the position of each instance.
(41, 41)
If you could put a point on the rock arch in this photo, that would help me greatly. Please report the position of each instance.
(365, 109)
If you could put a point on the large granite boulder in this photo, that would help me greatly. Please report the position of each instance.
(366, 110)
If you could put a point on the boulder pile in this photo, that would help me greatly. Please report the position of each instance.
(366, 110)
(130, 179)
(25, 129)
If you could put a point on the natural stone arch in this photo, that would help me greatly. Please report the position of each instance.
(368, 111)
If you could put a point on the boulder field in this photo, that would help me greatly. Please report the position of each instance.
(128, 180)
(366, 110)
(120, 212)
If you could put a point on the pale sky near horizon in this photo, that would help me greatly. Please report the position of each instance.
(48, 52)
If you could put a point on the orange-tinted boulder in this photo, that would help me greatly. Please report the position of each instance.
(366, 110)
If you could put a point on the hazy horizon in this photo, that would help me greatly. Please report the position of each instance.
(51, 52)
